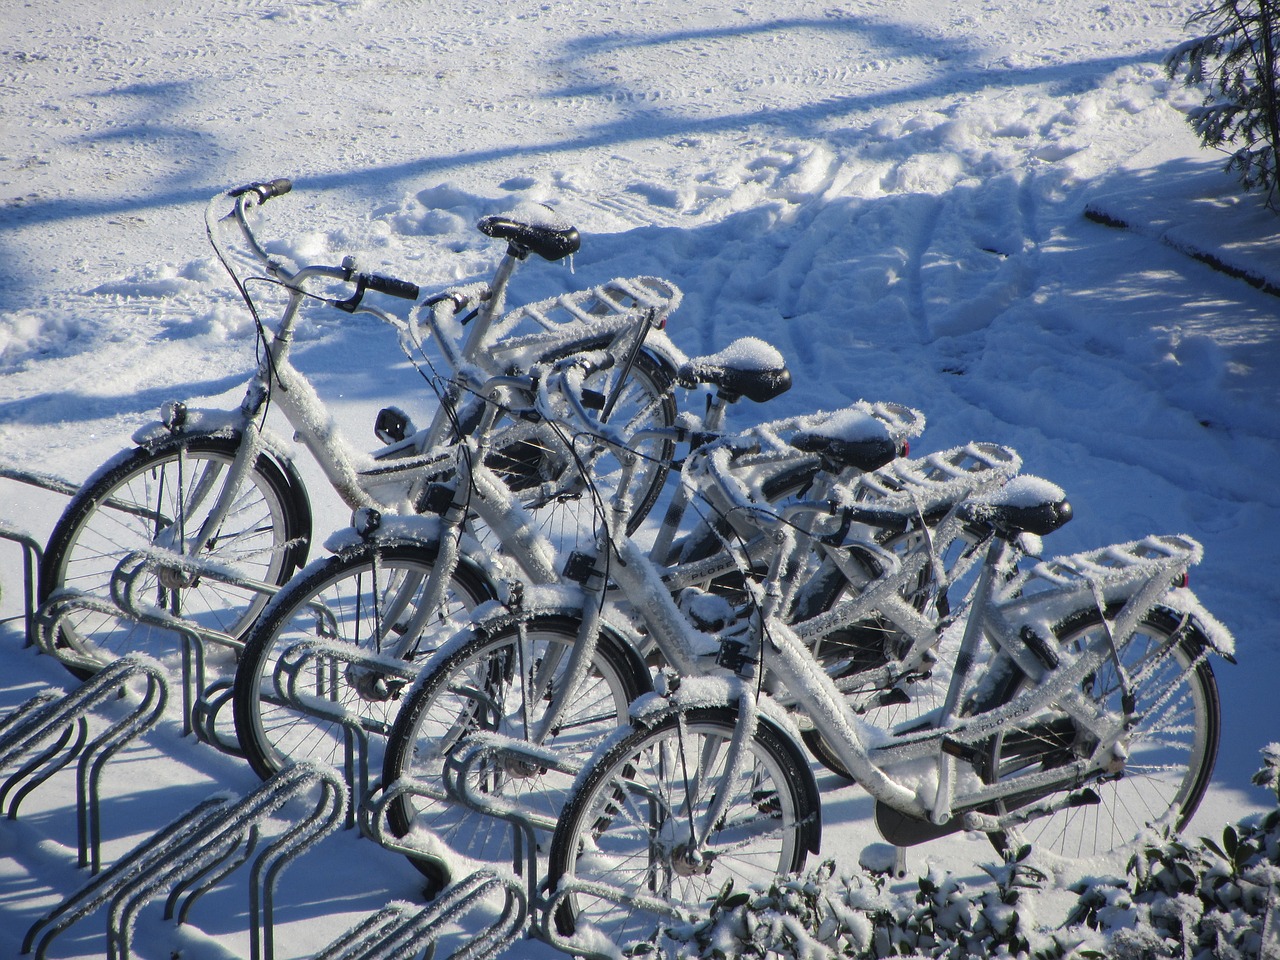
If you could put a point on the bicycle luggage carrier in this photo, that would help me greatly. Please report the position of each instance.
(1118, 563)
(937, 480)
(599, 311)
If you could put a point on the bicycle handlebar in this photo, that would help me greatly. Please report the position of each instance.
(265, 190)
(376, 282)
(258, 193)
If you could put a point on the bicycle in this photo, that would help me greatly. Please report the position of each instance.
(219, 486)
(554, 671)
(353, 628)
(1097, 682)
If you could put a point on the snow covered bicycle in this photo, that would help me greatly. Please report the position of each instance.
(330, 657)
(219, 488)
(1080, 709)
(554, 672)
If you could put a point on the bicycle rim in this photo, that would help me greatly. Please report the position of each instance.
(629, 825)
(503, 685)
(365, 604)
(162, 496)
(1172, 748)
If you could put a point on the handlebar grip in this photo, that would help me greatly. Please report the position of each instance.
(391, 286)
(265, 190)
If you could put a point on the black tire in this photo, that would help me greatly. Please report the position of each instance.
(480, 686)
(544, 472)
(133, 505)
(624, 823)
(337, 601)
(1172, 749)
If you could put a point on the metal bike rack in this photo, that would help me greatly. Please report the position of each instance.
(286, 677)
(48, 624)
(481, 749)
(401, 931)
(197, 851)
(372, 815)
(32, 554)
(57, 727)
(201, 700)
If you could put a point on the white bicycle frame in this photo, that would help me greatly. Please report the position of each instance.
(403, 467)
(1140, 579)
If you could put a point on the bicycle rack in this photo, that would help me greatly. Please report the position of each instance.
(201, 700)
(291, 666)
(545, 927)
(48, 631)
(32, 554)
(484, 749)
(399, 931)
(372, 819)
(59, 725)
(197, 851)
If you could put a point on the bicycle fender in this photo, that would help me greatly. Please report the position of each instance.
(1203, 630)
(562, 601)
(421, 533)
(226, 425)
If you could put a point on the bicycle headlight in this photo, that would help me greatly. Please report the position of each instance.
(366, 521)
(173, 414)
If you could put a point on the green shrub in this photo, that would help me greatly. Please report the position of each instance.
(1238, 63)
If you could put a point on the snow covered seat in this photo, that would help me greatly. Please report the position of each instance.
(1027, 505)
(748, 367)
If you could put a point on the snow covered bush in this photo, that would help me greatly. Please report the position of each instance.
(1238, 61)
(1182, 900)
(1204, 900)
(820, 915)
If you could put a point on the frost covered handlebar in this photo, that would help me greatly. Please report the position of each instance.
(265, 190)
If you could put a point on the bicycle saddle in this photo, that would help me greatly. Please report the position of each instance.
(550, 243)
(1025, 505)
(864, 453)
(746, 368)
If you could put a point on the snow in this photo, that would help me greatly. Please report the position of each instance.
(990, 211)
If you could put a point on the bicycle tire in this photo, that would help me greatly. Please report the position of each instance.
(264, 536)
(1171, 755)
(336, 600)
(481, 686)
(614, 829)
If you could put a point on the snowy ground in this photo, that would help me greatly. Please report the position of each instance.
(893, 196)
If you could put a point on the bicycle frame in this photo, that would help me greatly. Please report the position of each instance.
(398, 472)
(999, 615)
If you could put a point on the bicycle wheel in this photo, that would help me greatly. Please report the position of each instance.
(558, 475)
(368, 601)
(160, 495)
(665, 814)
(502, 683)
(1172, 748)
